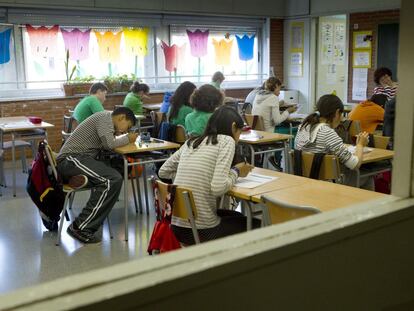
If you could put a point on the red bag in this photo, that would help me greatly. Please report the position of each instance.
(383, 182)
(162, 237)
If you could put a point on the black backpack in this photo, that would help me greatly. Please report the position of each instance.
(45, 190)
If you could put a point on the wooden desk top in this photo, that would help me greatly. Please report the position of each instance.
(18, 124)
(261, 137)
(152, 106)
(152, 146)
(323, 195)
(284, 181)
(377, 155)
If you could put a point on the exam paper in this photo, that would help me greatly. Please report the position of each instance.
(254, 180)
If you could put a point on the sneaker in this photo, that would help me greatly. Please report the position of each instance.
(276, 165)
(78, 181)
(82, 235)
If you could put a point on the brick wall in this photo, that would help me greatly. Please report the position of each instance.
(52, 111)
(368, 21)
(276, 47)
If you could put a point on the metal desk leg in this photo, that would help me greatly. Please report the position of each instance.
(253, 154)
(144, 175)
(286, 155)
(358, 177)
(138, 189)
(126, 196)
(14, 163)
(248, 209)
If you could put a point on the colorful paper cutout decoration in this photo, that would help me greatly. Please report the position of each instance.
(245, 45)
(109, 46)
(198, 42)
(43, 40)
(136, 41)
(77, 42)
(222, 49)
(174, 56)
(5, 46)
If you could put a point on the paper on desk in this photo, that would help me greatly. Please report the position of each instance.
(352, 149)
(254, 180)
(250, 136)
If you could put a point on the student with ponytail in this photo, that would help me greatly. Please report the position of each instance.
(204, 164)
(317, 135)
(133, 100)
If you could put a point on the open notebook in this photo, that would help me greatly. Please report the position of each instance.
(254, 180)
(352, 149)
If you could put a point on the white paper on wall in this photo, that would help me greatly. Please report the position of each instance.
(359, 83)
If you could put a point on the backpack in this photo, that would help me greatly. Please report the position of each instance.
(45, 190)
(167, 131)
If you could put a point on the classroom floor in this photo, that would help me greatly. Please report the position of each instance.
(28, 254)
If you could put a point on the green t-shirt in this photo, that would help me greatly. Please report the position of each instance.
(182, 113)
(133, 102)
(196, 122)
(87, 107)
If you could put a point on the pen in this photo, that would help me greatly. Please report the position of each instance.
(245, 160)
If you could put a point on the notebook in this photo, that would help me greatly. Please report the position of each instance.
(254, 180)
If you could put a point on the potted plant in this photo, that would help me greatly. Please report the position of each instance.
(78, 85)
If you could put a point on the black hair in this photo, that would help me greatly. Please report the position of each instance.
(128, 113)
(380, 72)
(218, 75)
(181, 97)
(379, 99)
(220, 123)
(137, 87)
(325, 108)
(271, 84)
(206, 98)
(96, 87)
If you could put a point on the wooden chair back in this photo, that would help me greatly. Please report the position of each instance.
(381, 142)
(280, 211)
(254, 121)
(157, 118)
(330, 167)
(180, 135)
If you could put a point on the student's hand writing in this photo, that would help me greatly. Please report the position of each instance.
(132, 137)
(292, 109)
(362, 139)
(244, 169)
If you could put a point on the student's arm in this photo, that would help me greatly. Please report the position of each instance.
(224, 177)
(276, 115)
(169, 168)
(106, 134)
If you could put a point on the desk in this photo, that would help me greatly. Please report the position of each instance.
(134, 148)
(255, 138)
(152, 107)
(14, 125)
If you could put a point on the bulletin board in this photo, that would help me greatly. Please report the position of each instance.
(362, 49)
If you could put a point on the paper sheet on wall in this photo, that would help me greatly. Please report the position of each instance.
(327, 43)
(359, 83)
(339, 44)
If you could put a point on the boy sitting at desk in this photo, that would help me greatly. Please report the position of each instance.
(92, 103)
(77, 161)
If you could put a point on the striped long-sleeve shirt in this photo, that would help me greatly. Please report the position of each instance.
(323, 139)
(389, 91)
(206, 171)
(92, 135)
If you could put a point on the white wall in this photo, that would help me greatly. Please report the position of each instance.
(302, 84)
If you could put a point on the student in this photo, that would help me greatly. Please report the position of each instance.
(266, 105)
(78, 158)
(204, 101)
(166, 102)
(317, 135)
(204, 165)
(370, 113)
(217, 79)
(133, 100)
(180, 105)
(92, 103)
(385, 85)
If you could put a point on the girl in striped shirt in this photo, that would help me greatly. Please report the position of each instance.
(385, 85)
(317, 135)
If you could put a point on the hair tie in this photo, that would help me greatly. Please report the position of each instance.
(317, 113)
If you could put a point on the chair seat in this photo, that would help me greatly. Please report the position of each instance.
(17, 144)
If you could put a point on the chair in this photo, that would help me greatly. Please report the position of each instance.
(246, 108)
(255, 122)
(18, 145)
(330, 167)
(180, 135)
(70, 194)
(381, 142)
(184, 206)
(279, 211)
(67, 127)
(157, 118)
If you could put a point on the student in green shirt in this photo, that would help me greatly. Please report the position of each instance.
(204, 100)
(92, 103)
(217, 79)
(133, 100)
(180, 105)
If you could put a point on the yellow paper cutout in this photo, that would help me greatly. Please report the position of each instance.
(109, 46)
(222, 49)
(136, 41)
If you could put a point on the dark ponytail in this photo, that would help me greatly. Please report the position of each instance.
(137, 87)
(325, 108)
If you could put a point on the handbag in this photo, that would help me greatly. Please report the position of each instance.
(163, 238)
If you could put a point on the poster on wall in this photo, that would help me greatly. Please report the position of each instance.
(359, 83)
(296, 42)
(295, 70)
(296, 49)
(339, 44)
(327, 43)
(362, 40)
(361, 59)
